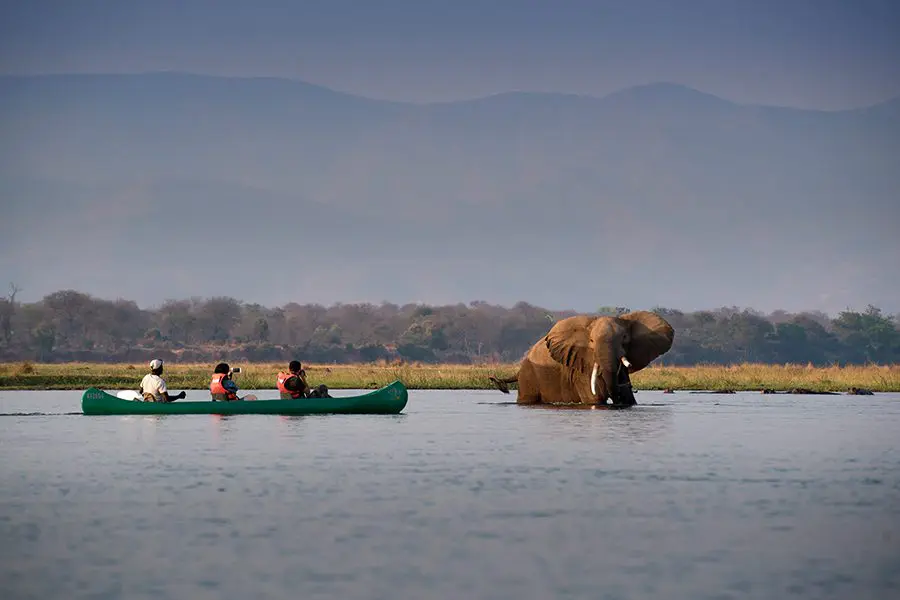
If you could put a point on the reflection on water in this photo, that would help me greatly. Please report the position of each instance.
(738, 496)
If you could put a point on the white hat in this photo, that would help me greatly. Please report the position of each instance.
(155, 364)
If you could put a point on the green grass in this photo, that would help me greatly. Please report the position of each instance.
(79, 376)
(744, 377)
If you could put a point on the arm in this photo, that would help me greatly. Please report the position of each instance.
(164, 393)
(297, 383)
(302, 377)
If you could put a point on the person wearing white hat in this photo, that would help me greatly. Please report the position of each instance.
(153, 387)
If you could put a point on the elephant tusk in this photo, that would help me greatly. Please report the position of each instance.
(594, 379)
(625, 362)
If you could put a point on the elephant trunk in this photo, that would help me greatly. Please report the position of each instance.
(622, 391)
(613, 383)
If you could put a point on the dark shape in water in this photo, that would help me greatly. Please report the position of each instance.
(625, 397)
(855, 391)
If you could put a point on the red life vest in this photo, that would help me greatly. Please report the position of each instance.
(285, 393)
(218, 390)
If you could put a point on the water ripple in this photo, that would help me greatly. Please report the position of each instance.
(689, 499)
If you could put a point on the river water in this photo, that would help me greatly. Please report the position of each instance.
(689, 496)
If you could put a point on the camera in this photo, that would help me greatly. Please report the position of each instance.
(236, 370)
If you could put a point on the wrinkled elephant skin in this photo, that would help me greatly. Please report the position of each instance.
(587, 360)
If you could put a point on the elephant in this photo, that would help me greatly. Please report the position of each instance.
(587, 359)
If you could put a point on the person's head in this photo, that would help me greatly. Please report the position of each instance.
(294, 366)
(156, 366)
(222, 368)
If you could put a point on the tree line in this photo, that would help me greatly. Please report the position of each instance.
(72, 326)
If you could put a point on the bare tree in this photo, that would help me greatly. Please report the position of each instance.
(7, 311)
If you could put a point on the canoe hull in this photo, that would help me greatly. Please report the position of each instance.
(389, 400)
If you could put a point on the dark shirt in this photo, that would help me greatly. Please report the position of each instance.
(296, 384)
(230, 385)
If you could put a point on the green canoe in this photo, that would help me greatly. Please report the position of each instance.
(388, 400)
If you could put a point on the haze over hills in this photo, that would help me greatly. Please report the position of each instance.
(170, 185)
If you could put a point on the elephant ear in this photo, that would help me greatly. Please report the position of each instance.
(651, 336)
(569, 343)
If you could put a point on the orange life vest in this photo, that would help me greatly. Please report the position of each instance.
(218, 390)
(286, 393)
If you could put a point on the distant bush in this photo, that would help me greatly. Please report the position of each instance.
(70, 326)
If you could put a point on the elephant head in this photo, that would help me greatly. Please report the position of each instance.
(606, 349)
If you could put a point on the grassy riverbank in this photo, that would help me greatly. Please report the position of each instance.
(78, 376)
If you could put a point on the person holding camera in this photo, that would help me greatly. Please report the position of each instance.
(222, 386)
(293, 384)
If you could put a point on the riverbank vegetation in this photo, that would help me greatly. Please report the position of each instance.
(256, 376)
(69, 326)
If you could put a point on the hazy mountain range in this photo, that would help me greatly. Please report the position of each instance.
(159, 186)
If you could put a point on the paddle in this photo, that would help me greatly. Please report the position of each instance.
(135, 397)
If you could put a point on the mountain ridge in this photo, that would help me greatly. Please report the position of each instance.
(653, 86)
(680, 184)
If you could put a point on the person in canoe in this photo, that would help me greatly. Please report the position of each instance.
(222, 387)
(153, 386)
(293, 384)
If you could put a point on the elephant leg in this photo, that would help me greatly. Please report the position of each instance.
(573, 390)
(529, 385)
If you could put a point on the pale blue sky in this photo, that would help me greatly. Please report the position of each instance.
(809, 53)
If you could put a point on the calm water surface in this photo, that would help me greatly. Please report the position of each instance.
(686, 496)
